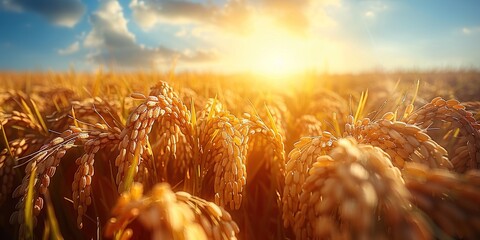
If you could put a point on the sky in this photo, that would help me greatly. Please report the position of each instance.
(265, 36)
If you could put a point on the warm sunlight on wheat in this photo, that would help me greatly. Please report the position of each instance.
(129, 156)
(239, 119)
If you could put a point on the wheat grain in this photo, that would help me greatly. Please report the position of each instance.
(11, 100)
(300, 160)
(18, 147)
(327, 188)
(307, 125)
(403, 142)
(7, 174)
(41, 168)
(223, 142)
(269, 139)
(449, 199)
(19, 120)
(211, 217)
(174, 150)
(161, 103)
(349, 190)
(92, 110)
(473, 106)
(82, 182)
(221, 154)
(164, 214)
(330, 107)
(462, 131)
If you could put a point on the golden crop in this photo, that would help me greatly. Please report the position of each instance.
(204, 156)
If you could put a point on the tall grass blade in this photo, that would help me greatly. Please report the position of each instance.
(5, 139)
(272, 121)
(129, 178)
(39, 117)
(52, 219)
(212, 110)
(29, 204)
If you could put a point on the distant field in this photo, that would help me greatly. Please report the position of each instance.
(207, 156)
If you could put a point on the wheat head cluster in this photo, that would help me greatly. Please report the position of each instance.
(151, 156)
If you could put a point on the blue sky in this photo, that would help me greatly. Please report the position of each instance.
(244, 35)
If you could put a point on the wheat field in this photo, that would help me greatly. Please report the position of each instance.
(151, 155)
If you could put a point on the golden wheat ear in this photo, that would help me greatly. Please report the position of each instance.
(22, 132)
(307, 125)
(38, 173)
(21, 121)
(269, 139)
(472, 106)
(449, 124)
(448, 199)
(299, 162)
(221, 160)
(356, 192)
(99, 138)
(402, 141)
(330, 107)
(163, 214)
(10, 158)
(162, 103)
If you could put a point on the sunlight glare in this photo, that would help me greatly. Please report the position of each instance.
(276, 62)
(268, 50)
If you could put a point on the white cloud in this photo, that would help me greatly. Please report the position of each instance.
(234, 15)
(61, 12)
(73, 48)
(150, 12)
(370, 14)
(108, 24)
(374, 9)
(181, 33)
(470, 30)
(112, 43)
(240, 34)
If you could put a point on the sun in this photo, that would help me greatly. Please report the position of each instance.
(277, 53)
(277, 62)
(271, 51)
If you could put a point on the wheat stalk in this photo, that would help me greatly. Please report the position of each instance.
(11, 100)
